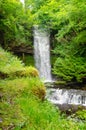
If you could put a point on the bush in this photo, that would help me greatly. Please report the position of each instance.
(81, 114)
(11, 66)
(9, 63)
(70, 68)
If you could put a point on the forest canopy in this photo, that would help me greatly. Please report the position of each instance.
(14, 23)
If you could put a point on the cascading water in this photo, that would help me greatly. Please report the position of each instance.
(66, 96)
(42, 53)
(42, 62)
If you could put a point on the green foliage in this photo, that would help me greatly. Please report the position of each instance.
(11, 66)
(46, 116)
(81, 114)
(70, 68)
(71, 41)
(21, 97)
(66, 20)
(9, 63)
(21, 109)
(43, 12)
(14, 23)
(22, 101)
(12, 90)
(28, 60)
(28, 71)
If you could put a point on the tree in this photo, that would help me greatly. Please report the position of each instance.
(71, 41)
(14, 23)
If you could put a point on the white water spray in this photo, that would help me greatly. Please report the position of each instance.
(64, 96)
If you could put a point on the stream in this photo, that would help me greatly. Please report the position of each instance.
(67, 99)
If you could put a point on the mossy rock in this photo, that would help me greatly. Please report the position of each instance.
(29, 71)
(24, 72)
(39, 92)
(60, 82)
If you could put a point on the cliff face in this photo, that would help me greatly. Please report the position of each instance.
(27, 49)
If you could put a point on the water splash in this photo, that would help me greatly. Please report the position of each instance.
(64, 96)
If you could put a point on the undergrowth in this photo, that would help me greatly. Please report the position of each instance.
(22, 100)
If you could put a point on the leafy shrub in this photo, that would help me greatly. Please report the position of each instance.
(11, 66)
(70, 68)
(18, 33)
(9, 63)
(81, 114)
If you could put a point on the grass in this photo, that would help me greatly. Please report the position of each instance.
(22, 100)
(22, 109)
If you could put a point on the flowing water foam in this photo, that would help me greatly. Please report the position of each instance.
(66, 96)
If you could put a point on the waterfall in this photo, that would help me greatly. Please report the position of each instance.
(42, 53)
